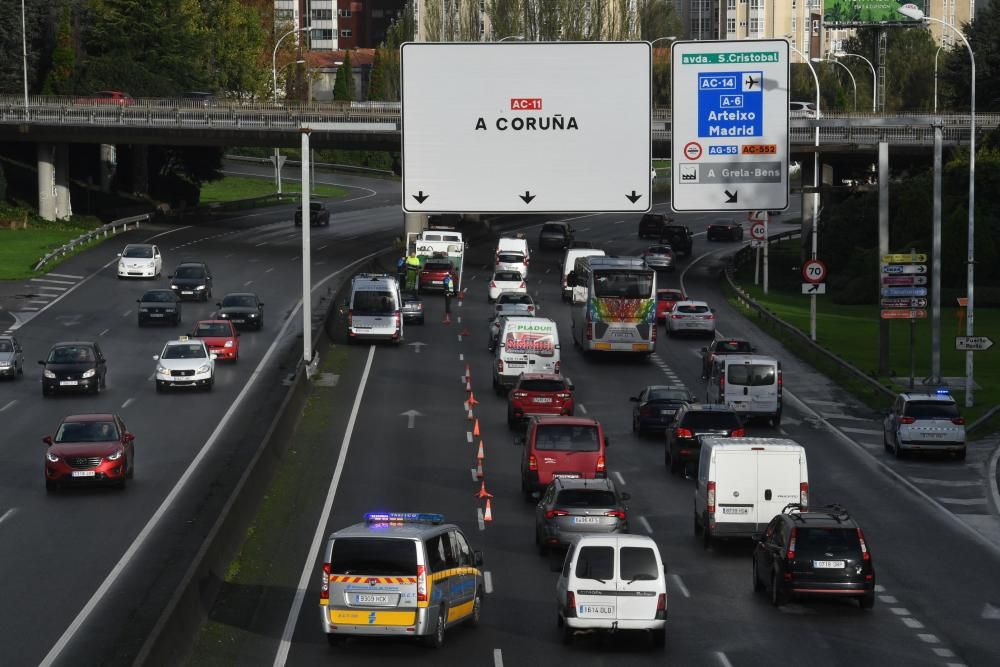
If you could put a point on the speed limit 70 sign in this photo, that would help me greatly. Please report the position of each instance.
(814, 271)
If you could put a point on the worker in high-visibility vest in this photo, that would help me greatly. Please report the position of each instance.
(412, 271)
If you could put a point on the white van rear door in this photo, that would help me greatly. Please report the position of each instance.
(594, 573)
(735, 485)
(640, 582)
(778, 477)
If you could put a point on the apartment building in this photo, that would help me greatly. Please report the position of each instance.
(952, 12)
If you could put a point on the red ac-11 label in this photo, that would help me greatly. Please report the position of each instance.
(526, 103)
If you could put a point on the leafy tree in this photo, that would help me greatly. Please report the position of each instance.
(36, 16)
(376, 84)
(343, 87)
(238, 48)
(434, 28)
(955, 67)
(468, 20)
(657, 18)
(909, 66)
(60, 75)
(505, 18)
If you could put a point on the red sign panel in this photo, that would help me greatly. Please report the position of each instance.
(526, 104)
(904, 314)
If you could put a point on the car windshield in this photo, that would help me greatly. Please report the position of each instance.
(437, 266)
(514, 297)
(366, 556)
(565, 438)
(691, 310)
(372, 303)
(711, 421)
(189, 272)
(596, 563)
(553, 229)
(627, 284)
(507, 277)
(239, 301)
(669, 296)
(5, 346)
(638, 564)
(668, 395)
(751, 375)
(931, 410)
(733, 346)
(817, 542)
(510, 258)
(158, 296)
(71, 354)
(586, 498)
(213, 329)
(184, 351)
(542, 385)
(87, 432)
(723, 223)
(140, 252)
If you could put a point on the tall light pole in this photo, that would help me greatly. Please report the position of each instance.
(274, 83)
(911, 11)
(24, 58)
(842, 54)
(815, 206)
(936, 54)
(849, 73)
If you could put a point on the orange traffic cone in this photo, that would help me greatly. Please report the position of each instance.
(488, 515)
(475, 430)
(468, 386)
(483, 493)
(447, 319)
(481, 455)
(472, 399)
(467, 372)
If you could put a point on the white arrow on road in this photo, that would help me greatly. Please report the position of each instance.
(411, 417)
(416, 346)
(991, 612)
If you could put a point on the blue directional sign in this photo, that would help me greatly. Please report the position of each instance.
(904, 291)
(730, 104)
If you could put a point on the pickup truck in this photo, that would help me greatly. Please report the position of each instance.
(318, 215)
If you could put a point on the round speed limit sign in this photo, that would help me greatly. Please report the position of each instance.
(757, 231)
(814, 271)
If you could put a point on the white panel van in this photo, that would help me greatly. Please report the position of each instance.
(744, 482)
(569, 262)
(749, 383)
(525, 345)
(375, 308)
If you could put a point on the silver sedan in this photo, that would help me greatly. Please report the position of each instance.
(11, 357)
(659, 257)
(691, 317)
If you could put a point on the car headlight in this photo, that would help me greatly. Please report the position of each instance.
(143, 309)
(204, 369)
(223, 315)
(114, 456)
(89, 374)
(200, 287)
(52, 458)
(49, 374)
(5, 364)
(162, 370)
(253, 314)
(174, 287)
(229, 343)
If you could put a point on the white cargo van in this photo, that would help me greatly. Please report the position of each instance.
(508, 249)
(749, 383)
(569, 262)
(375, 308)
(525, 345)
(744, 482)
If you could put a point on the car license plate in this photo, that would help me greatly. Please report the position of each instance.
(606, 610)
(238, 321)
(586, 519)
(375, 600)
(542, 399)
(736, 510)
(933, 435)
(68, 383)
(668, 412)
(567, 475)
(83, 473)
(186, 292)
(156, 314)
(828, 564)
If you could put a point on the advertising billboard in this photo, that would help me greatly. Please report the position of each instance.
(853, 13)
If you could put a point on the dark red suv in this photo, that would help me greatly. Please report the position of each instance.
(539, 394)
(433, 273)
(89, 449)
(572, 447)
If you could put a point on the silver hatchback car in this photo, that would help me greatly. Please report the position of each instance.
(570, 506)
(659, 257)
(11, 357)
(694, 317)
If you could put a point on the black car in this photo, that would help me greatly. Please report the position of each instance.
(651, 224)
(192, 280)
(159, 305)
(318, 215)
(199, 97)
(721, 347)
(413, 308)
(679, 237)
(655, 407)
(692, 421)
(580, 243)
(569, 507)
(820, 552)
(243, 309)
(74, 366)
(555, 236)
(725, 230)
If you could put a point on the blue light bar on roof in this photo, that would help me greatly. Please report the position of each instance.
(403, 517)
(942, 392)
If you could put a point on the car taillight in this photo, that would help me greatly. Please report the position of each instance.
(738, 433)
(683, 433)
(324, 590)
(532, 462)
(722, 386)
(531, 309)
(570, 603)
(906, 420)
(421, 583)
(710, 316)
(661, 606)
(551, 514)
(589, 325)
(645, 412)
(555, 368)
(350, 322)
(522, 284)
(493, 284)
(652, 333)
(519, 394)
(600, 464)
(780, 382)
(618, 514)
(499, 365)
(395, 320)
(804, 494)
(676, 316)
(958, 420)
(790, 554)
(564, 395)
(710, 498)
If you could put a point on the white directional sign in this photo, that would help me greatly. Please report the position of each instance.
(973, 343)
(730, 125)
(518, 127)
(814, 288)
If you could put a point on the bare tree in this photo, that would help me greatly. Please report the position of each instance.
(469, 21)
(506, 18)
(432, 20)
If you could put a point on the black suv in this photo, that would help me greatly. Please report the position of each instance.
(692, 421)
(555, 236)
(192, 280)
(679, 237)
(818, 552)
(719, 348)
(159, 305)
(651, 224)
(319, 215)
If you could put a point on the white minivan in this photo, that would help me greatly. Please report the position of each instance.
(749, 383)
(513, 253)
(569, 262)
(375, 308)
(744, 482)
(612, 583)
(525, 345)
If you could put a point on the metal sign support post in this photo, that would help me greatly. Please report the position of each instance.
(767, 215)
(883, 247)
(756, 267)
(307, 352)
(936, 264)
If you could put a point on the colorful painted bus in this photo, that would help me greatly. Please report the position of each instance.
(614, 304)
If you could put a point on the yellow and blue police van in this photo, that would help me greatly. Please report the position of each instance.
(399, 574)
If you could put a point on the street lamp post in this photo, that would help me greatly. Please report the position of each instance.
(849, 73)
(936, 54)
(274, 83)
(874, 75)
(815, 207)
(911, 11)
(24, 58)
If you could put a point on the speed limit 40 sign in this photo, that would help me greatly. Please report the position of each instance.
(757, 231)
(814, 271)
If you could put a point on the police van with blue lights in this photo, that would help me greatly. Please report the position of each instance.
(399, 574)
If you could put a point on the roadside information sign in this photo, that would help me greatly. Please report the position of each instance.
(518, 127)
(814, 288)
(904, 292)
(973, 343)
(814, 271)
(731, 153)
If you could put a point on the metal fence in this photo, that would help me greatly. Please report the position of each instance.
(112, 228)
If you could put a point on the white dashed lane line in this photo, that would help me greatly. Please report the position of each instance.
(65, 275)
(488, 581)
(9, 405)
(126, 313)
(497, 658)
(645, 525)
(104, 332)
(52, 282)
(618, 477)
(582, 408)
(676, 578)
(479, 518)
(8, 514)
(127, 403)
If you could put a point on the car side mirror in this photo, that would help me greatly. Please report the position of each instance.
(705, 350)
(219, 304)
(626, 496)
(634, 399)
(607, 442)
(156, 357)
(42, 363)
(261, 304)
(138, 300)
(213, 355)
(129, 437)
(478, 556)
(47, 440)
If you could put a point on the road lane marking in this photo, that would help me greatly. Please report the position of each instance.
(322, 247)
(461, 357)
(929, 639)
(52, 288)
(912, 623)
(945, 482)
(900, 611)
(53, 282)
(468, 436)
(879, 588)
(126, 313)
(680, 585)
(888, 599)
(618, 477)
(472, 471)
(104, 332)
(307, 570)
(9, 405)
(944, 653)
(860, 431)
(247, 283)
(479, 518)
(29, 310)
(65, 275)
(497, 658)
(127, 403)
(618, 222)
(260, 244)
(488, 581)
(269, 270)
(723, 660)
(645, 525)
(582, 409)
(9, 513)
(961, 501)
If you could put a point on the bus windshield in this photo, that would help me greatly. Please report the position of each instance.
(620, 283)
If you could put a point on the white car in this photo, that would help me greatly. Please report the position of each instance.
(509, 260)
(506, 281)
(515, 303)
(185, 362)
(924, 422)
(139, 260)
(691, 317)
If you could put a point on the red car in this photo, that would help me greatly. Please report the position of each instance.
(89, 449)
(433, 272)
(539, 394)
(665, 300)
(115, 97)
(221, 337)
(561, 447)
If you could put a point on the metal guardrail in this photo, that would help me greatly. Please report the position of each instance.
(331, 165)
(741, 257)
(101, 231)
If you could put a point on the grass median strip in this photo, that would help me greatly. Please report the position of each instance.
(233, 188)
(25, 238)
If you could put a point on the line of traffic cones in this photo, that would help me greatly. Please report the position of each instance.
(468, 405)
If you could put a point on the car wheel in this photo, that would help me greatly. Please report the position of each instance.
(51, 485)
(757, 586)
(436, 640)
(885, 441)
(45, 392)
(97, 388)
(130, 472)
(543, 549)
(675, 464)
(566, 633)
(210, 385)
(776, 420)
(122, 483)
(778, 597)
(867, 601)
(897, 450)
(960, 455)
(260, 324)
(706, 536)
(635, 424)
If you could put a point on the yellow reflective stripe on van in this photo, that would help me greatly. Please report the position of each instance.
(349, 617)
(459, 611)
(444, 574)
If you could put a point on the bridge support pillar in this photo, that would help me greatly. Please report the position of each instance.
(64, 206)
(108, 162)
(414, 223)
(140, 169)
(46, 182)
